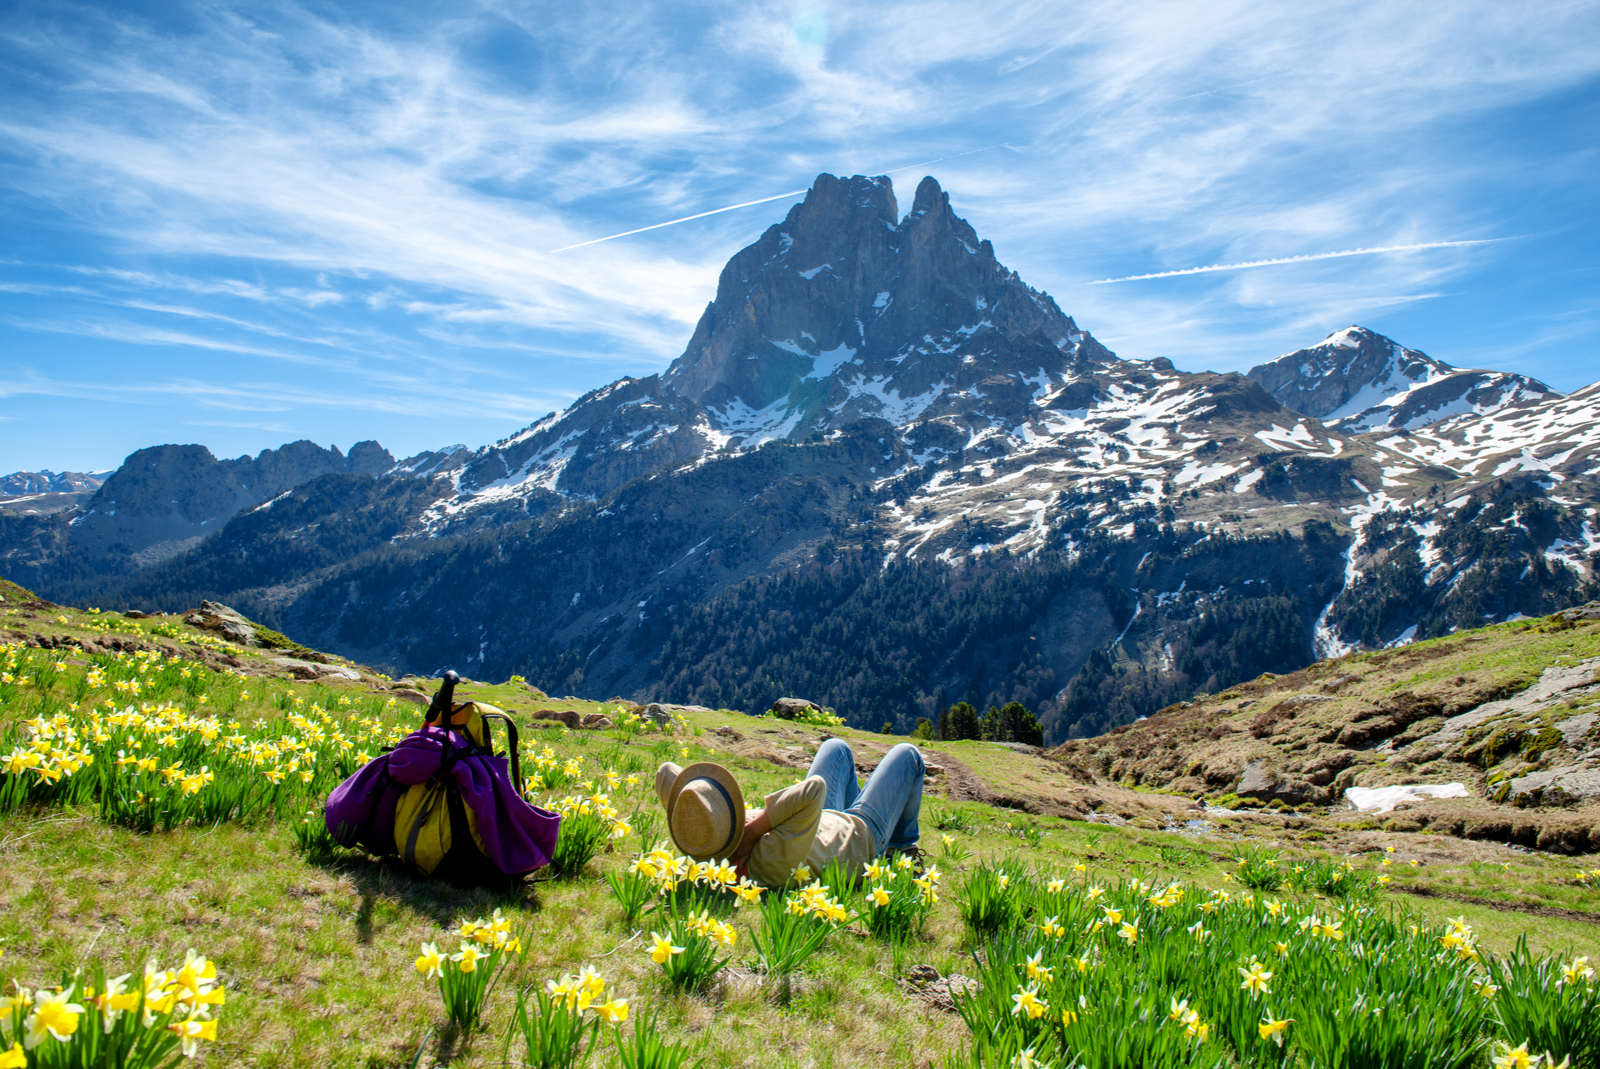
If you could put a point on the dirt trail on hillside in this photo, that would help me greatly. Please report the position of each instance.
(1506, 907)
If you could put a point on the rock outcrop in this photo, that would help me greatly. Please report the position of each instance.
(793, 708)
(227, 622)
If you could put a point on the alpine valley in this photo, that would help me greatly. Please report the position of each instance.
(887, 475)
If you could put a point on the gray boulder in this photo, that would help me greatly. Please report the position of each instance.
(230, 624)
(792, 708)
(1257, 781)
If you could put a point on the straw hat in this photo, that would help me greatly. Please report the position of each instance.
(705, 809)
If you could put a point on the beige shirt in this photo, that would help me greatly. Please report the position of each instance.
(803, 832)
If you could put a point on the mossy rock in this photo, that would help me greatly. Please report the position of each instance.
(1502, 744)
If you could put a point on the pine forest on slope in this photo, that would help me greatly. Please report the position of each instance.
(887, 475)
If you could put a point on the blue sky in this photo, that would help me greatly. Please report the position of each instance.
(242, 224)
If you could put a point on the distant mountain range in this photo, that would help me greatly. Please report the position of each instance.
(886, 474)
(41, 492)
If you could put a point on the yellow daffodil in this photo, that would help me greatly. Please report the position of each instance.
(662, 949)
(1113, 916)
(1273, 908)
(591, 982)
(1192, 1025)
(1517, 1057)
(1055, 886)
(1485, 988)
(1037, 971)
(54, 1016)
(1272, 1028)
(1255, 979)
(876, 870)
(564, 991)
(468, 958)
(1051, 929)
(1577, 969)
(116, 999)
(1282, 949)
(191, 1031)
(1330, 930)
(613, 1012)
(878, 897)
(1027, 1000)
(14, 1058)
(1025, 1059)
(1130, 932)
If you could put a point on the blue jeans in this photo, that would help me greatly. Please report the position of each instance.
(891, 800)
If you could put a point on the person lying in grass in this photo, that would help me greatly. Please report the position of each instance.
(824, 817)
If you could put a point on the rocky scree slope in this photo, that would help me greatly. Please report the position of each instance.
(1511, 710)
(884, 472)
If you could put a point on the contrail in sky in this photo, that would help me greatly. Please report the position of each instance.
(1298, 259)
(762, 200)
(685, 219)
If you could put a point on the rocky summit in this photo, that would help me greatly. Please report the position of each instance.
(887, 475)
(1361, 381)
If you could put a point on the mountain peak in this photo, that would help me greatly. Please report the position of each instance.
(831, 200)
(844, 291)
(1359, 380)
(929, 197)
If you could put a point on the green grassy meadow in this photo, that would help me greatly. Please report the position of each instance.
(315, 946)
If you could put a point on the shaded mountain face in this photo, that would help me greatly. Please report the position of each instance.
(887, 475)
(1359, 380)
(163, 500)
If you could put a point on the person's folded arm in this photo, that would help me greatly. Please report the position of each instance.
(756, 824)
(792, 815)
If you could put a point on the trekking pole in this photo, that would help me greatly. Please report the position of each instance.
(443, 700)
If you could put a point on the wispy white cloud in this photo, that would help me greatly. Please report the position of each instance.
(380, 191)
